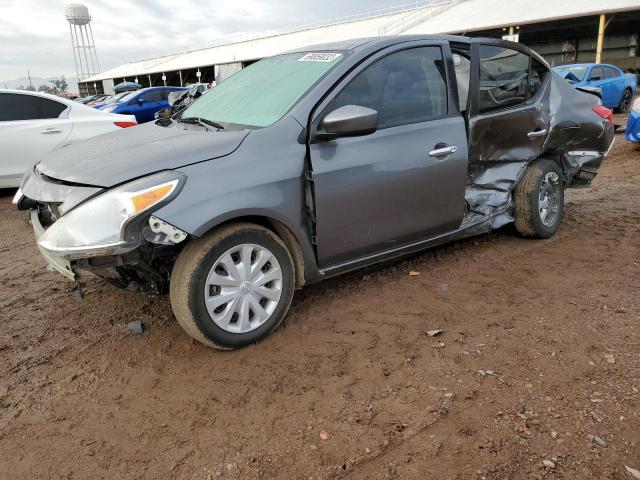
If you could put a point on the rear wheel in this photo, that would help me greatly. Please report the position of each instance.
(539, 200)
(625, 102)
(233, 286)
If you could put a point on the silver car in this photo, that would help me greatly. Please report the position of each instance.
(314, 163)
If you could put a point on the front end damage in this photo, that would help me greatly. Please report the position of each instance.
(141, 260)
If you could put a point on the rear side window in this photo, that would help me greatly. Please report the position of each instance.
(404, 87)
(611, 72)
(537, 76)
(16, 106)
(597, 73)
(504, 75)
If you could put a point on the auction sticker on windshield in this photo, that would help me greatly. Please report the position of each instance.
(320, 57)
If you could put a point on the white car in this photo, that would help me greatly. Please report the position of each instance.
(32, 124)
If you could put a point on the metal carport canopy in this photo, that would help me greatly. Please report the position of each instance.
(458, 16)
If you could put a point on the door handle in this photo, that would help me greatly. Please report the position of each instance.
(537, 133)
(49, 131)
(443, 151)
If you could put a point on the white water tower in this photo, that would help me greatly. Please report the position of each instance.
(84, 48)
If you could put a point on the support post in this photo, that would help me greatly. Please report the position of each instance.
(180, 73)
(150, 80)
(601, 28)
(510, 30)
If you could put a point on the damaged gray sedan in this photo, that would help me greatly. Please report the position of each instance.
(314, 163)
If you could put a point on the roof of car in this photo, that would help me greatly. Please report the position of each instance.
(359, 43)
(37, 94)
(584, 65)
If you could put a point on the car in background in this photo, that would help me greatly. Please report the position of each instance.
(143, 103)
(90, 98)
(32, 124)
(181, 99)
(617, 87)
(108, 100)
(632, 132)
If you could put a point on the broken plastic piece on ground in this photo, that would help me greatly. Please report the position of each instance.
(135, 327)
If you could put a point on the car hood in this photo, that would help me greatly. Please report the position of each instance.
(113, 158)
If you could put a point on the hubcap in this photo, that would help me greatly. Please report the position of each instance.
(243, 288)
(549, 199)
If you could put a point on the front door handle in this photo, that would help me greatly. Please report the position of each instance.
(537, 133)
(443, 151)
(49, 131)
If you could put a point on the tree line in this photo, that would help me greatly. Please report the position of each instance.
(57, 87)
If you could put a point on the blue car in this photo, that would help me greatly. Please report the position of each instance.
(633, 123)
(617, 87)
(142, 103)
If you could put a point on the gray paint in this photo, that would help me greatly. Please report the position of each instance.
(351, 201)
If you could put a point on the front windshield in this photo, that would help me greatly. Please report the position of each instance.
(115, 98)
(262, 93)
(576, 72)
(129, 96)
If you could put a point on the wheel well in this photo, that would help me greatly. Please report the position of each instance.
(284, 233)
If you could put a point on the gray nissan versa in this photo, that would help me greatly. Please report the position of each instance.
(313, 163)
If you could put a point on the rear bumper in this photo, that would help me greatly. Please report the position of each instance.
(581, 167)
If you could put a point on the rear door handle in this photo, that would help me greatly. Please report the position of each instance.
(49, 131)
(443, 151)
(537, 133)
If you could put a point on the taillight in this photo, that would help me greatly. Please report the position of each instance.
(125, 124)
(604, 112)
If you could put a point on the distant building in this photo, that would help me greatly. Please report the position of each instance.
(561, 31)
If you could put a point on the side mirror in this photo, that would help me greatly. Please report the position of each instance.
(141, 101)
(348, 121)
(595, 78)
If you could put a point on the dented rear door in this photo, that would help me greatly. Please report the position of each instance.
(509, 110)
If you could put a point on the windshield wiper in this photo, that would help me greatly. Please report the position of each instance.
(202, 121)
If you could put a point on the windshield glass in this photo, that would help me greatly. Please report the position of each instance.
(576, 72)
(262, 93)
(129, 96)
(115, 98)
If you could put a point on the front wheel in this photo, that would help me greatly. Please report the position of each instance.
(539, 200)
(233, 286)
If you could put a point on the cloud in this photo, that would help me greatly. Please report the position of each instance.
(34, 34)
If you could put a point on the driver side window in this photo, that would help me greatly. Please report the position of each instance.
(405, 87)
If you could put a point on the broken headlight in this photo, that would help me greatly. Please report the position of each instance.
(99, 226)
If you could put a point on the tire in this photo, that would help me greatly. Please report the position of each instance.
(625, 102)
(540, 185)
(223, 305)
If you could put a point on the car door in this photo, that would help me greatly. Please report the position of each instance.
(598, 79)
(509, 103)
(30, 127)
(614, 81)
(405, 182)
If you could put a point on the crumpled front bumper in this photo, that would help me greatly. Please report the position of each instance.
(62, 265)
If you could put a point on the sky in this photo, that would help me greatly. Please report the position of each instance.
(34, 34)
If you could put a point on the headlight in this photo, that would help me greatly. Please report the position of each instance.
(636, 106)
(99, 226)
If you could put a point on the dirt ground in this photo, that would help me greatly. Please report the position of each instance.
(539, 355)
